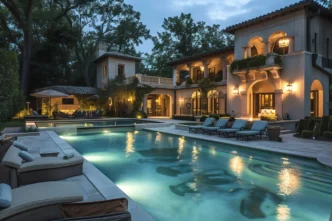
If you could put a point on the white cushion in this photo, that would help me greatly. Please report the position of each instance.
(49, 163)
(42, 194)
(5, 195)
(11, 158)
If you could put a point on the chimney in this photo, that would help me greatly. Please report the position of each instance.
(101, 48)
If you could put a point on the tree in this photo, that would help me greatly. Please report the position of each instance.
(183, 37)
(327, 3)
(11, 99)
(111, 21)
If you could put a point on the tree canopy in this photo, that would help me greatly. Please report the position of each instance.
(182, 36)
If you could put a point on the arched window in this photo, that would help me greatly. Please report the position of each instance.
(281, 46)
(254, 51)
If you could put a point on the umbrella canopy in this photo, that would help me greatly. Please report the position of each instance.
(49, 93)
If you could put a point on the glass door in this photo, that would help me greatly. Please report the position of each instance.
(314, 103)
(263, 101)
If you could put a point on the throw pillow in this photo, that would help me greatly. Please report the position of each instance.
(26, 156)
(5, 196)
(68, 155)
(20, 146)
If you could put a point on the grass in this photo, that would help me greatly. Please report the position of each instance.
(12, 123)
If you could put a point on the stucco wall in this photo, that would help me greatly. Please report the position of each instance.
(323, 28)
(129, 67)
(294, 25)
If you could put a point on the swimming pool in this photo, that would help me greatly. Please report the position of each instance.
(86, 123)
(179, 178)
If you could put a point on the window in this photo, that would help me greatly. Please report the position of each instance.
(327, 47)
(254, 51)
(105, 70)
(121, 70)
(199, 75)
(67, 100)
(212, 70)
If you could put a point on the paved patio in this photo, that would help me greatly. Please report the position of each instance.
(320, 150)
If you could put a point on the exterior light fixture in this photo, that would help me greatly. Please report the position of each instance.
(236, 90)
(283, 42)
(289, 87)
(202, 68)
(130, 99)
(181, 100)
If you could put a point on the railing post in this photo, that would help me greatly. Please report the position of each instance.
(158, 80)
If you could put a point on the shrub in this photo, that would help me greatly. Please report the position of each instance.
(300, 126)
(11, 98)
(224, 115)
(140, 114)
(324, 125)
(231, 119)
(189, 81)
(216, 116)
(327, 134)
(247, 63)
(203, 118)
(268, 117)
(329, 127)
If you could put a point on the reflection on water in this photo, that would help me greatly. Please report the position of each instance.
(289, 181)
(180, 149)
(212, 151)
(130, 144)
(236, 164)
(283, 213)
(194, 154)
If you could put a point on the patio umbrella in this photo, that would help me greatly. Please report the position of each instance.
(49, 94)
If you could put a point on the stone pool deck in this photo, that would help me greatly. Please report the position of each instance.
(95, 184)
(314, 149)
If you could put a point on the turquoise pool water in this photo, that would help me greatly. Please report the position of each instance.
(179, 179)
(82, 123)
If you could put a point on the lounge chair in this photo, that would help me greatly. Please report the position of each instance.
(40, 169)
(60, 201)
(207, 123)
(237, 126)
(258, 128)
(221, 123)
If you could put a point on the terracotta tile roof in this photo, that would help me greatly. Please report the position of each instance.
(201, 55)
(72, 90)
(117, 54)
(281, 12)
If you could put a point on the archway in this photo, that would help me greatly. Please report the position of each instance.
(158, 105)
(279, 43)
(316, 99)
(256, 45)
(261, 96)
(197, 72)
(213, 102)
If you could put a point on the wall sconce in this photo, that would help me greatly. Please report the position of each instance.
(289, 87)
(181, 100)
(157, 100)
(130, 99)
(202, 68)
(236, 90)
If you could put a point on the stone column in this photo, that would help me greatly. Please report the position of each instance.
(267, 49)
(191, 74)
(291, 45)
(245, 52)
(248, 52)
(174, 76)
(224, 67)
(206, 69)
(278, 103)
(145, 102)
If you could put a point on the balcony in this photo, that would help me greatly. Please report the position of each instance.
(255, 68)
(155, 81)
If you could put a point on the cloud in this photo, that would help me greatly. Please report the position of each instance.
(216, 10)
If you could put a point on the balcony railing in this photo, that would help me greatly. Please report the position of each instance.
(256, 62)
(153, 80)
(327, 63)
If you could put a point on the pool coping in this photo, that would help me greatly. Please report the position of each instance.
(107, 188)
(323, 158)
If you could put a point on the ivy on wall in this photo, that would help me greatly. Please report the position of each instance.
(254, 62)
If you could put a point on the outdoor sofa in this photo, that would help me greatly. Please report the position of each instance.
(237, 126)
(57, 201)
(257, 129)
(221, 123)
(207, 123)
(40, 169)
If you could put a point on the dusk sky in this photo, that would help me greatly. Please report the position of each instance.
(220, 12)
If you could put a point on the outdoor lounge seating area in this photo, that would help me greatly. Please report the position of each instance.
(315, 128)
(35, 188)
(238, 127)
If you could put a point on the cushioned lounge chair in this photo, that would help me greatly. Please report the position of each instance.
(40, 169)
(60, 201)
(237, 126)
(207, 123)
(221, 123)
(257, 129)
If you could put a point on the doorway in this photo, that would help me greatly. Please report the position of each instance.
(158, 105)
(263, 101)
(314, 103)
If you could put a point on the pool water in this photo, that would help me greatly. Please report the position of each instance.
(179, 179)
(92, 123)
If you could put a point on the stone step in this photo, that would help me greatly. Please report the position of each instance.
(286, 132)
